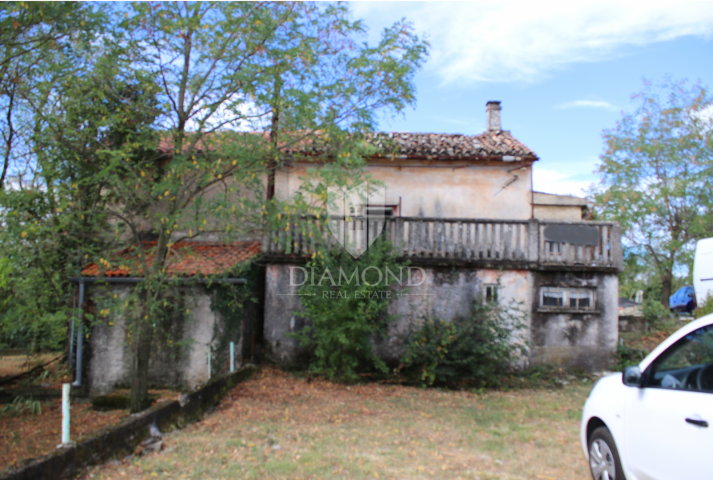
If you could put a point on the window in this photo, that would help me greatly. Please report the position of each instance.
(567, 298)
(385, 210)
(580, 299)
(555, 247)
(687, 364)
(552, 297)
(491, 292)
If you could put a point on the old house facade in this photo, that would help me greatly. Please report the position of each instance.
(462, 209)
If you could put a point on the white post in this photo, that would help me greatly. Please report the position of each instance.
(210, 367)
(65, 413)
(232, 357)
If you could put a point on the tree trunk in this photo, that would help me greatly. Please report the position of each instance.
(140, 370)
(274, 125)
(140, 374)
(144, 332)
(666, 284)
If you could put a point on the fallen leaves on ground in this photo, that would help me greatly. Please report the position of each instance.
(29, 436)
(276, 425)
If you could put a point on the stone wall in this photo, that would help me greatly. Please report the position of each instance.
(569, 337)
(193, 328)
(282, 307)
(587, 339)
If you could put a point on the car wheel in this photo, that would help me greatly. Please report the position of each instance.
(604, 460)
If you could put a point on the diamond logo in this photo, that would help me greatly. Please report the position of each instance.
(356, 216)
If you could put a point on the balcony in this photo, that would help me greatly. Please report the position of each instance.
(529, 244)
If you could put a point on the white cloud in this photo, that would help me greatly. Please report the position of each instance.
(571, 178)
(554, 181)
(587, 104)
(525, 42)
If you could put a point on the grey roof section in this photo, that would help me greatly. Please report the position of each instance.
(453, 145)
(551, 199)
(627, 302)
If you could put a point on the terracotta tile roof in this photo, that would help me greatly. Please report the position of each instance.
(489, 145)
(184, 259)
(447, 145)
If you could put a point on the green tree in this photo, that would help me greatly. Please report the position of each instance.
(346, 305)
(31, 37)
(39, 45)
(232, 89)
(167, 126)
(656, 174)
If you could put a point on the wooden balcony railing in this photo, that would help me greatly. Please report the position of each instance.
(478, 241)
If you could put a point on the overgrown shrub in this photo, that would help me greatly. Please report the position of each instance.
(344, 315)
(627, 356)
(655, 314)
(234, 303)
(475, 349)
(31, 319)
(704, 308)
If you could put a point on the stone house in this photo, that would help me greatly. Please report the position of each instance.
(460, 208)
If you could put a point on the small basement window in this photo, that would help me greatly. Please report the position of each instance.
(491, 292)
(567, 298)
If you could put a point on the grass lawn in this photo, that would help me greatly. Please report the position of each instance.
(279, 426)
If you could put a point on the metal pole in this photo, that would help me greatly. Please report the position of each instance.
(65, 413)
(232, 357)
(71, 332)
(80, 336)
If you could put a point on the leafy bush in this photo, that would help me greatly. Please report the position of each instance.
(33, 317)
(655, 314)
(627, 356)
(705, 308)
(345, 317)
(478, 348)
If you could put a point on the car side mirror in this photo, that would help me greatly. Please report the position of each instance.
(632, 376)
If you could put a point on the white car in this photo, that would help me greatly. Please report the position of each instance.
(652, 421)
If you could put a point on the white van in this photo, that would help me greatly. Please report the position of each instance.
(703, 270)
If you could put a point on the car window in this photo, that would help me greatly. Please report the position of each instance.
(685, 365)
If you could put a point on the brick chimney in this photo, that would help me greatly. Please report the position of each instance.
(492, 110)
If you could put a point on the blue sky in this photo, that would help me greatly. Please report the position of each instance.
(563, 74)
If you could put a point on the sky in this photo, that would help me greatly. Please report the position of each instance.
(563, 72)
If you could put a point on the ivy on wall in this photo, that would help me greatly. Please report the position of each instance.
(233, 303)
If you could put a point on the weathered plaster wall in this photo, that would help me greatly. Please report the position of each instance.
(427, 189)
(174, 367)
(281, 303)
(561, 338)
(445, 293)
(558, 213)
(199, 328)
(576, 338)
(110, 361)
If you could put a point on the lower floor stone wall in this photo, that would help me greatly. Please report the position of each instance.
(560, 335)
(180, 352)
(569, 336)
